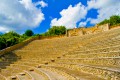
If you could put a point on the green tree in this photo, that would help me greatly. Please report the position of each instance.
(56, 30)
(62, 29)
(115, 19)
(104, 22)
(11, 34)
(9, 39)
(2, 43)
(29, 33)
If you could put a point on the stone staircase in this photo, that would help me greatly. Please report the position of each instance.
(89, 57)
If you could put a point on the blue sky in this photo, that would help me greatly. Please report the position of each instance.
(52, 11)
(40, 15)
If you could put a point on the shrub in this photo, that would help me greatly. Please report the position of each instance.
(29, 33)
(114, 20)
(56, 30)
(104, 22)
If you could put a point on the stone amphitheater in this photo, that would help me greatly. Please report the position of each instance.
(88, 57)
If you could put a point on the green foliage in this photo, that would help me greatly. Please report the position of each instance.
(56, 30)
(114, 20)
(104, 22)
(29, 33)
(37, 35)
(22, 38)
(2, 43)
(11, 38)
(11, 34)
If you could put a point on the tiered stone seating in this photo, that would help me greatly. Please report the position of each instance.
(89, 57)
(103, 61)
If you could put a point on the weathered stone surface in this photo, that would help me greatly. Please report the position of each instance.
(95, 55)
(86, 31)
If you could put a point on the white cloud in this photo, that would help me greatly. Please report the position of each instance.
(19, 15)
(3, 29)
(106, 8)
(83, 24)
(70, 16)
(41, 3)
(99, 3)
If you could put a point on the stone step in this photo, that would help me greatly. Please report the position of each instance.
(55, 74)
(13, 78)
(10, 71)
(32, 70)
(94, 55)
(77, 74)
(2, 77)
(36, 52)
(26, 76)
(30, 63)
(109, 61)
(3, 64)
(102, 45)
(105, 42)
(111, 41)
(91, 52)
(11, 56)
(36, 59)
(107, 49)
(36, 76)
(107, 73)
(38, 56)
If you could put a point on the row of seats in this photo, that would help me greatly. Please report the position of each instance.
(89, 57)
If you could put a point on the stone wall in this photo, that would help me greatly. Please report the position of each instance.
(75, 32)
(104, 27)
(85, 31)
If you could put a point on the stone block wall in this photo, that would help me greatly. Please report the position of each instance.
(85, 31)
(104, 27)
(75, 32)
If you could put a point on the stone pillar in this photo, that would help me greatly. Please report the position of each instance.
(106, 27)
(80, 33)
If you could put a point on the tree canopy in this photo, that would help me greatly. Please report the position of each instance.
(114, 20)
(56, 30)
(11, 38)
(29, 33)
(104, 22)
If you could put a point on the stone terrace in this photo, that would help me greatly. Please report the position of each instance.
(89, 57)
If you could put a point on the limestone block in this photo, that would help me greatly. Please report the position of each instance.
(104, 27)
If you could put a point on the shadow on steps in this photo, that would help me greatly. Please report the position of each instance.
(7, 59)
